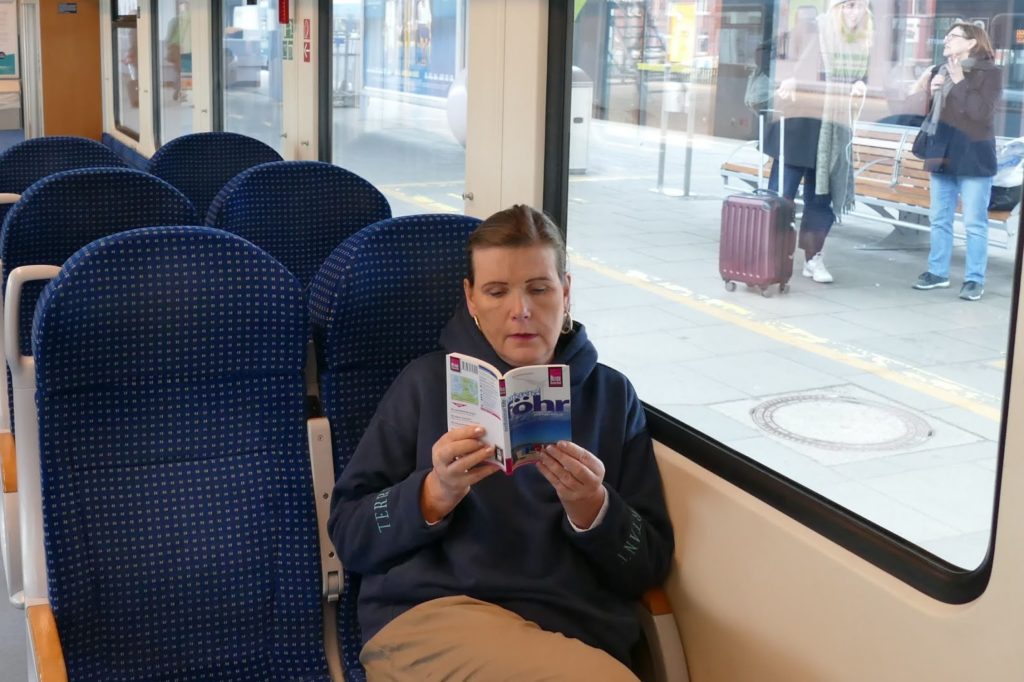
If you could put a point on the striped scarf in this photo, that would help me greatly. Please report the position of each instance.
(845, 63)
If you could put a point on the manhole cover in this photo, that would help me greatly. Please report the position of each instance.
(834, 422)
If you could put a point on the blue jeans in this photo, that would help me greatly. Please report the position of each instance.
(974, 193)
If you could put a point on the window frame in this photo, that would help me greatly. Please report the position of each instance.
(122, 21)
(877, 545)
(158, 75)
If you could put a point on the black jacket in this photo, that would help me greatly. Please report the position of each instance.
(509, 541)
(964, 142)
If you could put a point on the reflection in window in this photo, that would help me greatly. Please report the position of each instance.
(881, 397)
(399, 95)
(126, 67)
(252, 75)
(174, 68)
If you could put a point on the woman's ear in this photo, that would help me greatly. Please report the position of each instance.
(565, 289)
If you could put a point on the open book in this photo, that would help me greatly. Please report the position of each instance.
(523, 411)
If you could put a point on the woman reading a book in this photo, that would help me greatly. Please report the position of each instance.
(471, 575)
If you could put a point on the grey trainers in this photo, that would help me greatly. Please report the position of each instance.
(971, 291)
(929, 281)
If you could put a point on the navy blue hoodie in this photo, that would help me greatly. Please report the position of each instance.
(508, 541)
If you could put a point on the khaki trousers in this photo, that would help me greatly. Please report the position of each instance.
(460, 638)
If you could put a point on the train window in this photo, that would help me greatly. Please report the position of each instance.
(173, 67)
(874, 375)
(399, 66)
(252, 77)
(126, 66)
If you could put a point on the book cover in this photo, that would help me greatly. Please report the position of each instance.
(522, 411)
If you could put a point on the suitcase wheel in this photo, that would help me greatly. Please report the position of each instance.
(766, 292)
(784, 288)
(730, 285)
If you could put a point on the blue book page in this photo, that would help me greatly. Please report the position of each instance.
(538, 410)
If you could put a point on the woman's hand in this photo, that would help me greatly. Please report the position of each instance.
(577, 476)
(787, 89)
(859, 89)
(455, 456)
(921, 84)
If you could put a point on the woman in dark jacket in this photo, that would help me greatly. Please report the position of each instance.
(958, 146)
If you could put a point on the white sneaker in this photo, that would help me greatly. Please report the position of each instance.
(816, 270)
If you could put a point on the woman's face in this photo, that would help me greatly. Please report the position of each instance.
(853, 12)
(518, 301)
(957, 44)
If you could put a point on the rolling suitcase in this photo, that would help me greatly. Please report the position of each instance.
(758, 239)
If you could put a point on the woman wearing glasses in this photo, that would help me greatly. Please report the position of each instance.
(957, 144)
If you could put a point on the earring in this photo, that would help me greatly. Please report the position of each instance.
(567, 322)
(477, 320)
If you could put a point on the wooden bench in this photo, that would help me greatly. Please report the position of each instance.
(891, 185)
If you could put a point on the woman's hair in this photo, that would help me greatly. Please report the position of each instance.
(516, 227)
(982, 45)
(862, 34)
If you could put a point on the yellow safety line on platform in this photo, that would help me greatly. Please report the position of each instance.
(420, 200)
(882, 366)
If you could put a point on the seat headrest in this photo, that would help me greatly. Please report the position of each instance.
(63, 212)
(168, 305)
(28, 161)
(299, 211)
(200, 164)
(387, 291)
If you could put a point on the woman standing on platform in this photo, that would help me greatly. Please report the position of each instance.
(818, 140)
(958, 144)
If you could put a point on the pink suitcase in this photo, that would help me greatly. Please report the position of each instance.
(758, 239)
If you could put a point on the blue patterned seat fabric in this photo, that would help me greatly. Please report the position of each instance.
(200, 164)
(181, 538)
(379, 302)
(298, 211)
(65, 211)
(32, 160)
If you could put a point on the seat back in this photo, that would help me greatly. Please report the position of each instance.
(380, 301)
(65, 211)
(200, 164)
(181, 538)
(26, 162)
(298, 211)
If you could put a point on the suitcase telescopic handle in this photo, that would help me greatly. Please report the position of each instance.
(761, 117)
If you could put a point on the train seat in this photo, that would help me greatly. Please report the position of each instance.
(200, 164)
(181, 536)
(379, 301)
(34, 159)
(55, 217)
(298, 211)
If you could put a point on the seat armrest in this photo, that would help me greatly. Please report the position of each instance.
(8, 463)
(665, 646)
(44, 642)
(321, 458)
